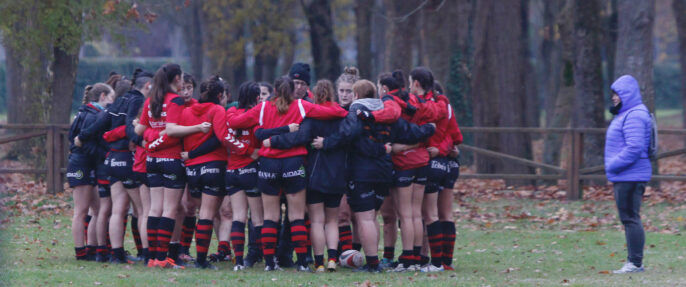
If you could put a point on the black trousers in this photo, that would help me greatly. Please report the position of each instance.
(628, 197)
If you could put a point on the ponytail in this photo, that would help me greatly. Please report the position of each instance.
(161, 85)
(211, 90)
(425, 78)
(283, 95)
(248, 93)
(92, 92)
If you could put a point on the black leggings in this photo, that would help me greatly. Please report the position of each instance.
(628, 196)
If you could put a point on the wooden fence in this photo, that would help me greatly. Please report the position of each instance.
(56, 155)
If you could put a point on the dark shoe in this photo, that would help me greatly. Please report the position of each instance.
(285, 262)
(367, 268)
(205, 265)
(102, 258)
(304, 269)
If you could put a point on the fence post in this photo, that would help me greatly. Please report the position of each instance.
(575, 158)
(50, 160)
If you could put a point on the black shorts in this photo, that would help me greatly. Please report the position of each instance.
(81, 170)
(244, 178)
(141, 178)
(166, 172)
(365, 196)
(453, 173)
(207, 178)
(330, 200)
(438, 175)
(120, 168)
(276, 174)
(102, 179)
(404, 178)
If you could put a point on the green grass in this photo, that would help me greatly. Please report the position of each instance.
(496, 250)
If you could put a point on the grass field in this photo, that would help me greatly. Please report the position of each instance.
(519, 242)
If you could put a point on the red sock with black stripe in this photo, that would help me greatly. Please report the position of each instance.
(389, 253)
(345, 237)
(224, 248)
(187, 233)
(136, 235)
(238, 240)
(81, 253)
(448, 241)
(406, 258)
(203, 237)
(86, 222)
(164, 234)
(416, 254)
(299, 240)
(435, 235)
(269, 237)
(153, 223)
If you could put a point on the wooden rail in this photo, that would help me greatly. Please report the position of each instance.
(574, 173)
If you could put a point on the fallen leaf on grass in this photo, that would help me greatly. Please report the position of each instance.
(98, 283)
(509, 270)
(172, 280)
(601, 243)
(604, 272)
(612, 254)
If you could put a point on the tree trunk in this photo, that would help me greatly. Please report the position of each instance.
(64, 68)
(679, 7)
(363, 35)
(400, 34)
(193, 33)
(378, 31)
(589, 111)
(551, 59)
(440, 43)
(499, 95)
(325, 51)
(611, 40)
(533, 114)
(635, 45)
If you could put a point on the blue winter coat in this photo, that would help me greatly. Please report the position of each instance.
(628, 137)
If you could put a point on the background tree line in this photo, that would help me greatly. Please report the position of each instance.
(533, 63)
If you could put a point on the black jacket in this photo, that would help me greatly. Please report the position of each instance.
(122, 112)
(370, 163)
(87, 116)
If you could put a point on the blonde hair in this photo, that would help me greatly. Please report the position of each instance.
(350, 75)
(364, 89)
(323, 92)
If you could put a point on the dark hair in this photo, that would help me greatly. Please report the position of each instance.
(323, 92)
(188, 79)
(438, 88)
(123, 86)
(140, 78)
(92, 92)
(248, 93)
(283, 95)
(161, 85)
(393, 81)
(424, 76)
(113, 79)
(269, 87)
(213, 92)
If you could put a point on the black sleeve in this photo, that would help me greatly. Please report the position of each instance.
(369, 148)
(408, 133)
(89, 131)
(206, 147)
(263, 134)
(289, 140)
(131, 114)
(349, 129)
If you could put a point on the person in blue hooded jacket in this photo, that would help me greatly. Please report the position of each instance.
(627, 163)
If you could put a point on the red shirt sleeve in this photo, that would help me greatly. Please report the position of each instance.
(115, 134)
(174, 109)
(322, 112)
(389, 114)
(145, 120)
(431, 111)
(245, 120)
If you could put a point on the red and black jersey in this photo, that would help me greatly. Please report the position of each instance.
(197, 114)
(266, 115)
(241, 142)
(172, 107)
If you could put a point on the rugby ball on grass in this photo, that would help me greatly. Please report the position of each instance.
(351, 259)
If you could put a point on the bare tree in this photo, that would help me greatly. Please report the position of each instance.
(363, 34)
(400, 36)
(498, 93)
(440, 43)
(325, 51)
(679, 8)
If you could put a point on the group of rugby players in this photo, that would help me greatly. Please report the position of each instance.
(310, 169)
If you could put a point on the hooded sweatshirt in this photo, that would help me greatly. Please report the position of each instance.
(197, 114)
(628, 136)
